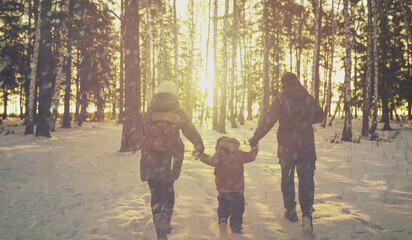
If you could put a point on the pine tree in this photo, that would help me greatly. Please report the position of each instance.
(121, 83)
(347, 128)
(234, 68)
(215, 125)
(59, 66)
(368, 86)
(223, 99)
(45, 71)
(375, 68)
(266, 46)
(133, 117)
(33, 76)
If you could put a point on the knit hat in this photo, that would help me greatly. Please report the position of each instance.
(288, 77)
(166, 87)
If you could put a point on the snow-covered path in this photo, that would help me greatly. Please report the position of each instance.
(77, 185)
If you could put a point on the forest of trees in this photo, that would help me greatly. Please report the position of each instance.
(102, 59)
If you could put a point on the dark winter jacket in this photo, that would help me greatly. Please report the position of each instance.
(166, 166)
(296, 111)
(229, 175)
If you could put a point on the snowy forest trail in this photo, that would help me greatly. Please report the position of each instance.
(77, 185)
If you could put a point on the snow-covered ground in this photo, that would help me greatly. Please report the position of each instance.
(77, 185)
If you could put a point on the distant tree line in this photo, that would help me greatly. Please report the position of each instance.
(101, 55)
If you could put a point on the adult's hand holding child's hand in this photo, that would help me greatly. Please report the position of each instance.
(253, 141)
(196, 154)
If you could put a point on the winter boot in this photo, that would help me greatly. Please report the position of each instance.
(235, 228)
(292, 216)
(222, 221)
(307, 226)
(160, 223)
(168, 213)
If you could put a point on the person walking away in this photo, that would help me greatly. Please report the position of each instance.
(228, 161)
(296, 110)
(162, 152)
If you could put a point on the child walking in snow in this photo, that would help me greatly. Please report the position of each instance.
(228, 161)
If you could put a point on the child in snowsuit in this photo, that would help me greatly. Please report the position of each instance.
(228, 162)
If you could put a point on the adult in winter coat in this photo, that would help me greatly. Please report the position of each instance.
(229, 177)
(296, 110)
(160, 168)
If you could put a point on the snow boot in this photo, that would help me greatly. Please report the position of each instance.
(307, 226)
(168, 213)
(235, 229)
(292, 216)
(222, 221)
(160, 223)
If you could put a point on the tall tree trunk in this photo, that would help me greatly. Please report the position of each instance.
(243, 57)
(375, 68)
(59, 66)
(84, 101)
(85, 63)
(113, 91)
(121, 83)
(26, 83)
(355, 83)
(337, 109)
(68, 70)
(203, 108)
(250, 91)
(347, 128)
(408, 42)
(133, 117)
(208, 40)
(33, 76)
(316, 51)
(21, 115)
(234, 64)
(163, 43)
(277, 59)
(215, 70)
(45, 71)
(5, 99)
(77, 111)
(266, 44)
(176, 46)
(325, 83)
(368, 87)
(149, 80)
(222, 119)
(387, 72)
(291, 40)
(332, 51)
(191, 88)
(299, 57)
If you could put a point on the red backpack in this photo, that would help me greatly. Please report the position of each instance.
(162, 131)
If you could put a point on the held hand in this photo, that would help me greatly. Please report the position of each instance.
(253, 141)
(196, 154)
(254, 147)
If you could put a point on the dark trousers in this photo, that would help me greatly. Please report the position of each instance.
(163, 195)
(305, 170)
(231, 204)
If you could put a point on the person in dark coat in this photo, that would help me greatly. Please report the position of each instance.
(296, 110)
(229, 178)
(161, 169)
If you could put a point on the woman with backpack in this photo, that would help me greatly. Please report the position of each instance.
(162, 152)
